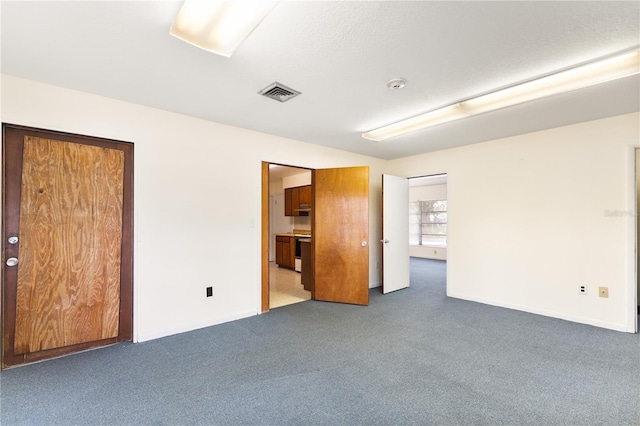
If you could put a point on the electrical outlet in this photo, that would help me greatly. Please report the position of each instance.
(209, 291)
(603, 291)
(583, 289)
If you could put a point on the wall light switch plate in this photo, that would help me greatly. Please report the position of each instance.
(583, 289)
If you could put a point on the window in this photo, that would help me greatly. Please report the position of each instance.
(428, 222)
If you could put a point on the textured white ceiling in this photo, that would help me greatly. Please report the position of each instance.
(339, 55)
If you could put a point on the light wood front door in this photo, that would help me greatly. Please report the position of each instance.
(68, 202)
(340, 236)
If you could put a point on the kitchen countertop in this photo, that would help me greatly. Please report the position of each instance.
(295, 232)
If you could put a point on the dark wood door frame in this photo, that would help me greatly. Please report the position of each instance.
(12, 168)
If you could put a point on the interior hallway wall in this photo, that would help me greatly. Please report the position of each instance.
(533, 217)
(197, 200)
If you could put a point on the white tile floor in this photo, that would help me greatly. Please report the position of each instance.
(285, 287)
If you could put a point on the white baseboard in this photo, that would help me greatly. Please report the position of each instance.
(144, 337)
(547, 313)
(374, 285)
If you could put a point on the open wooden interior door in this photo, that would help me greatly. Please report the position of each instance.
(340, 215)
(395, 233)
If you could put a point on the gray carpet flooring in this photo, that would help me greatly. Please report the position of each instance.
(412, 357)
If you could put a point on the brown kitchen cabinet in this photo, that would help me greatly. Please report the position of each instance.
(285, 251)
(288, 201)
(305, 195)
(291, 201)
(294, 197)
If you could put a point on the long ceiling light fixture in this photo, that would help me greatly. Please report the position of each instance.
(219, 26)
(593, 73)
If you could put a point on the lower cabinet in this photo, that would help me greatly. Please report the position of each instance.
(286, 251)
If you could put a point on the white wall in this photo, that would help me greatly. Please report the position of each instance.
(302, 223)
(275, 187)
(193, 226)
(428, 252)
(300, 179)
(428, 192)
(528, 223)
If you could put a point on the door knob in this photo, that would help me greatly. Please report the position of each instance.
(12, 261)
(13, 240)
(384, 241)
(364, 244)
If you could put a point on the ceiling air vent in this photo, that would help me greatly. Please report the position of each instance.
(279, 92)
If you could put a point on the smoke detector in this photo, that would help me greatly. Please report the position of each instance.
(396, 83)
(279, 92)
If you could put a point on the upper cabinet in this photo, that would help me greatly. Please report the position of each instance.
(297, 201)
(291, 201)
(305, 196)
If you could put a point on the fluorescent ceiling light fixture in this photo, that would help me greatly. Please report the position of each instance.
(432, 118)
(593, 73)
(219, 26)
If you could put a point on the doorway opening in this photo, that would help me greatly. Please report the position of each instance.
(428, 226)
(335, 257)
(289, 230)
